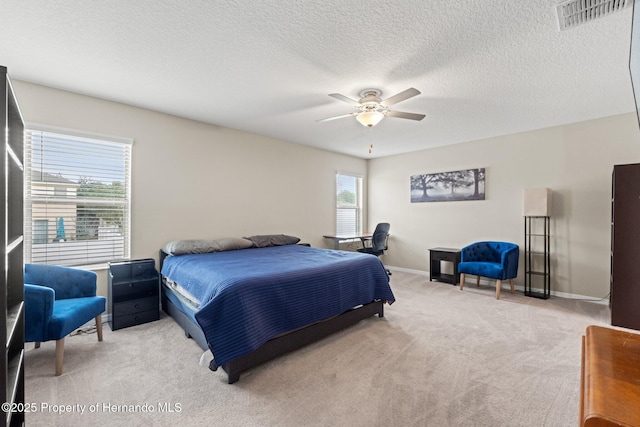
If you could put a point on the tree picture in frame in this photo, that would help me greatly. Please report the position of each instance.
(467, 184)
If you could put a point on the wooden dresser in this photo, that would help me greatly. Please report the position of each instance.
(610, 381)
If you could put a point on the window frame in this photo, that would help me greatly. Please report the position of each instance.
(125, 201)
(358, 206)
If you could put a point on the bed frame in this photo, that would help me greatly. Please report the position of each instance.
(277, 346)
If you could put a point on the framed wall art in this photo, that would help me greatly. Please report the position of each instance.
(467, 184)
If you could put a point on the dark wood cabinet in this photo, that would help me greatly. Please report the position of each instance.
(134, 292)
(12, 261)
(625, 246)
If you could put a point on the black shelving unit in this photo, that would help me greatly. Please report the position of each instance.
(537, 257)
(134, 292)
(12, 259)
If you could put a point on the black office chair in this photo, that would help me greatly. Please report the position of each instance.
(378, 241)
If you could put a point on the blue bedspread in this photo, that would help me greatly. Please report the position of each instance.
(249, 296)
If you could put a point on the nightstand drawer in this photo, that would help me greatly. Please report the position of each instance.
(446, 256)
(134, 319)
(135, 289)
(135, 306)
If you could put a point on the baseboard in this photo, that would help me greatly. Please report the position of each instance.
(520, 288)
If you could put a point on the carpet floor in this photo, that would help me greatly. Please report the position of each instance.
(439, 357)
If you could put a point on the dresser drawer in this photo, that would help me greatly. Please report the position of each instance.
(135, 306)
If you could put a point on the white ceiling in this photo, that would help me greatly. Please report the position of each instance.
(484, 67)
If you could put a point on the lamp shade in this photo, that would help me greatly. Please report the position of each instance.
(369, 118)
(536, 202)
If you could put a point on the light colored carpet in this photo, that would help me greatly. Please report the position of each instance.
(439, 357)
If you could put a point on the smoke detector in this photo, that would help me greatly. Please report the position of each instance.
(572, 13)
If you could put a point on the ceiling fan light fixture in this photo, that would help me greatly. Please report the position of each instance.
(370, 109)
(369, 118)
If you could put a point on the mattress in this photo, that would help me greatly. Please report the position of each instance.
(249, 296)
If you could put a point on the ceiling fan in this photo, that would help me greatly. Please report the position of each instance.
(372, 109)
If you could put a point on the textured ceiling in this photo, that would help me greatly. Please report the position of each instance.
(484, 67)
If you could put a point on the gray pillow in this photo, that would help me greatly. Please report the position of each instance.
(183, 247)
(233, 243)
(265, 240)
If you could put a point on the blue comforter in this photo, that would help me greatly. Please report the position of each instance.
(249, 296)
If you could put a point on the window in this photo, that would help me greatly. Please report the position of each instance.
(348, 204)
(40, 230)
(77, 198)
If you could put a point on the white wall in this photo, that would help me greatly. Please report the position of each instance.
(575, 161)
(194, 180)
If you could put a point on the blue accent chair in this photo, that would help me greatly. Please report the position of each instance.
(496, 260)
(59, 300)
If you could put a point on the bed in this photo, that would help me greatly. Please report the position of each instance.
(250, 300)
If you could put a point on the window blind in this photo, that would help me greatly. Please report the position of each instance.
(77, 198)
(348, 204)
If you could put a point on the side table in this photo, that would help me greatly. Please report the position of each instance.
(444, 254)
(134, 292)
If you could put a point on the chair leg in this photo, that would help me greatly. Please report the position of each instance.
(477, 281)
(99, 326)
(59, 356)
(461, 281)
(37, 345)
(513, 288)
(498, 284)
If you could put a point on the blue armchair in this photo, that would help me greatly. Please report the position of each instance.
(57, 301)
(496, 260)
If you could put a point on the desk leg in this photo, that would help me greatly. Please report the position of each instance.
(336, 244)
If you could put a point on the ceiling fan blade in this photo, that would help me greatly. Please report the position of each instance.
(405, 94)
(344, 99)
(336, 117)
(402, 115)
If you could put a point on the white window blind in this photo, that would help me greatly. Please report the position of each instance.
(348, 204)
(77, 198)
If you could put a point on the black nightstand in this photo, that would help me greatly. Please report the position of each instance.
(444, 254)
(134, 292)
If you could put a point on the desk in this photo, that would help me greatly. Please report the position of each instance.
(444, 254)
(342, 238)
(610, 380)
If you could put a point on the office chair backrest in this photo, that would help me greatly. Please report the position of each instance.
(379, 238)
